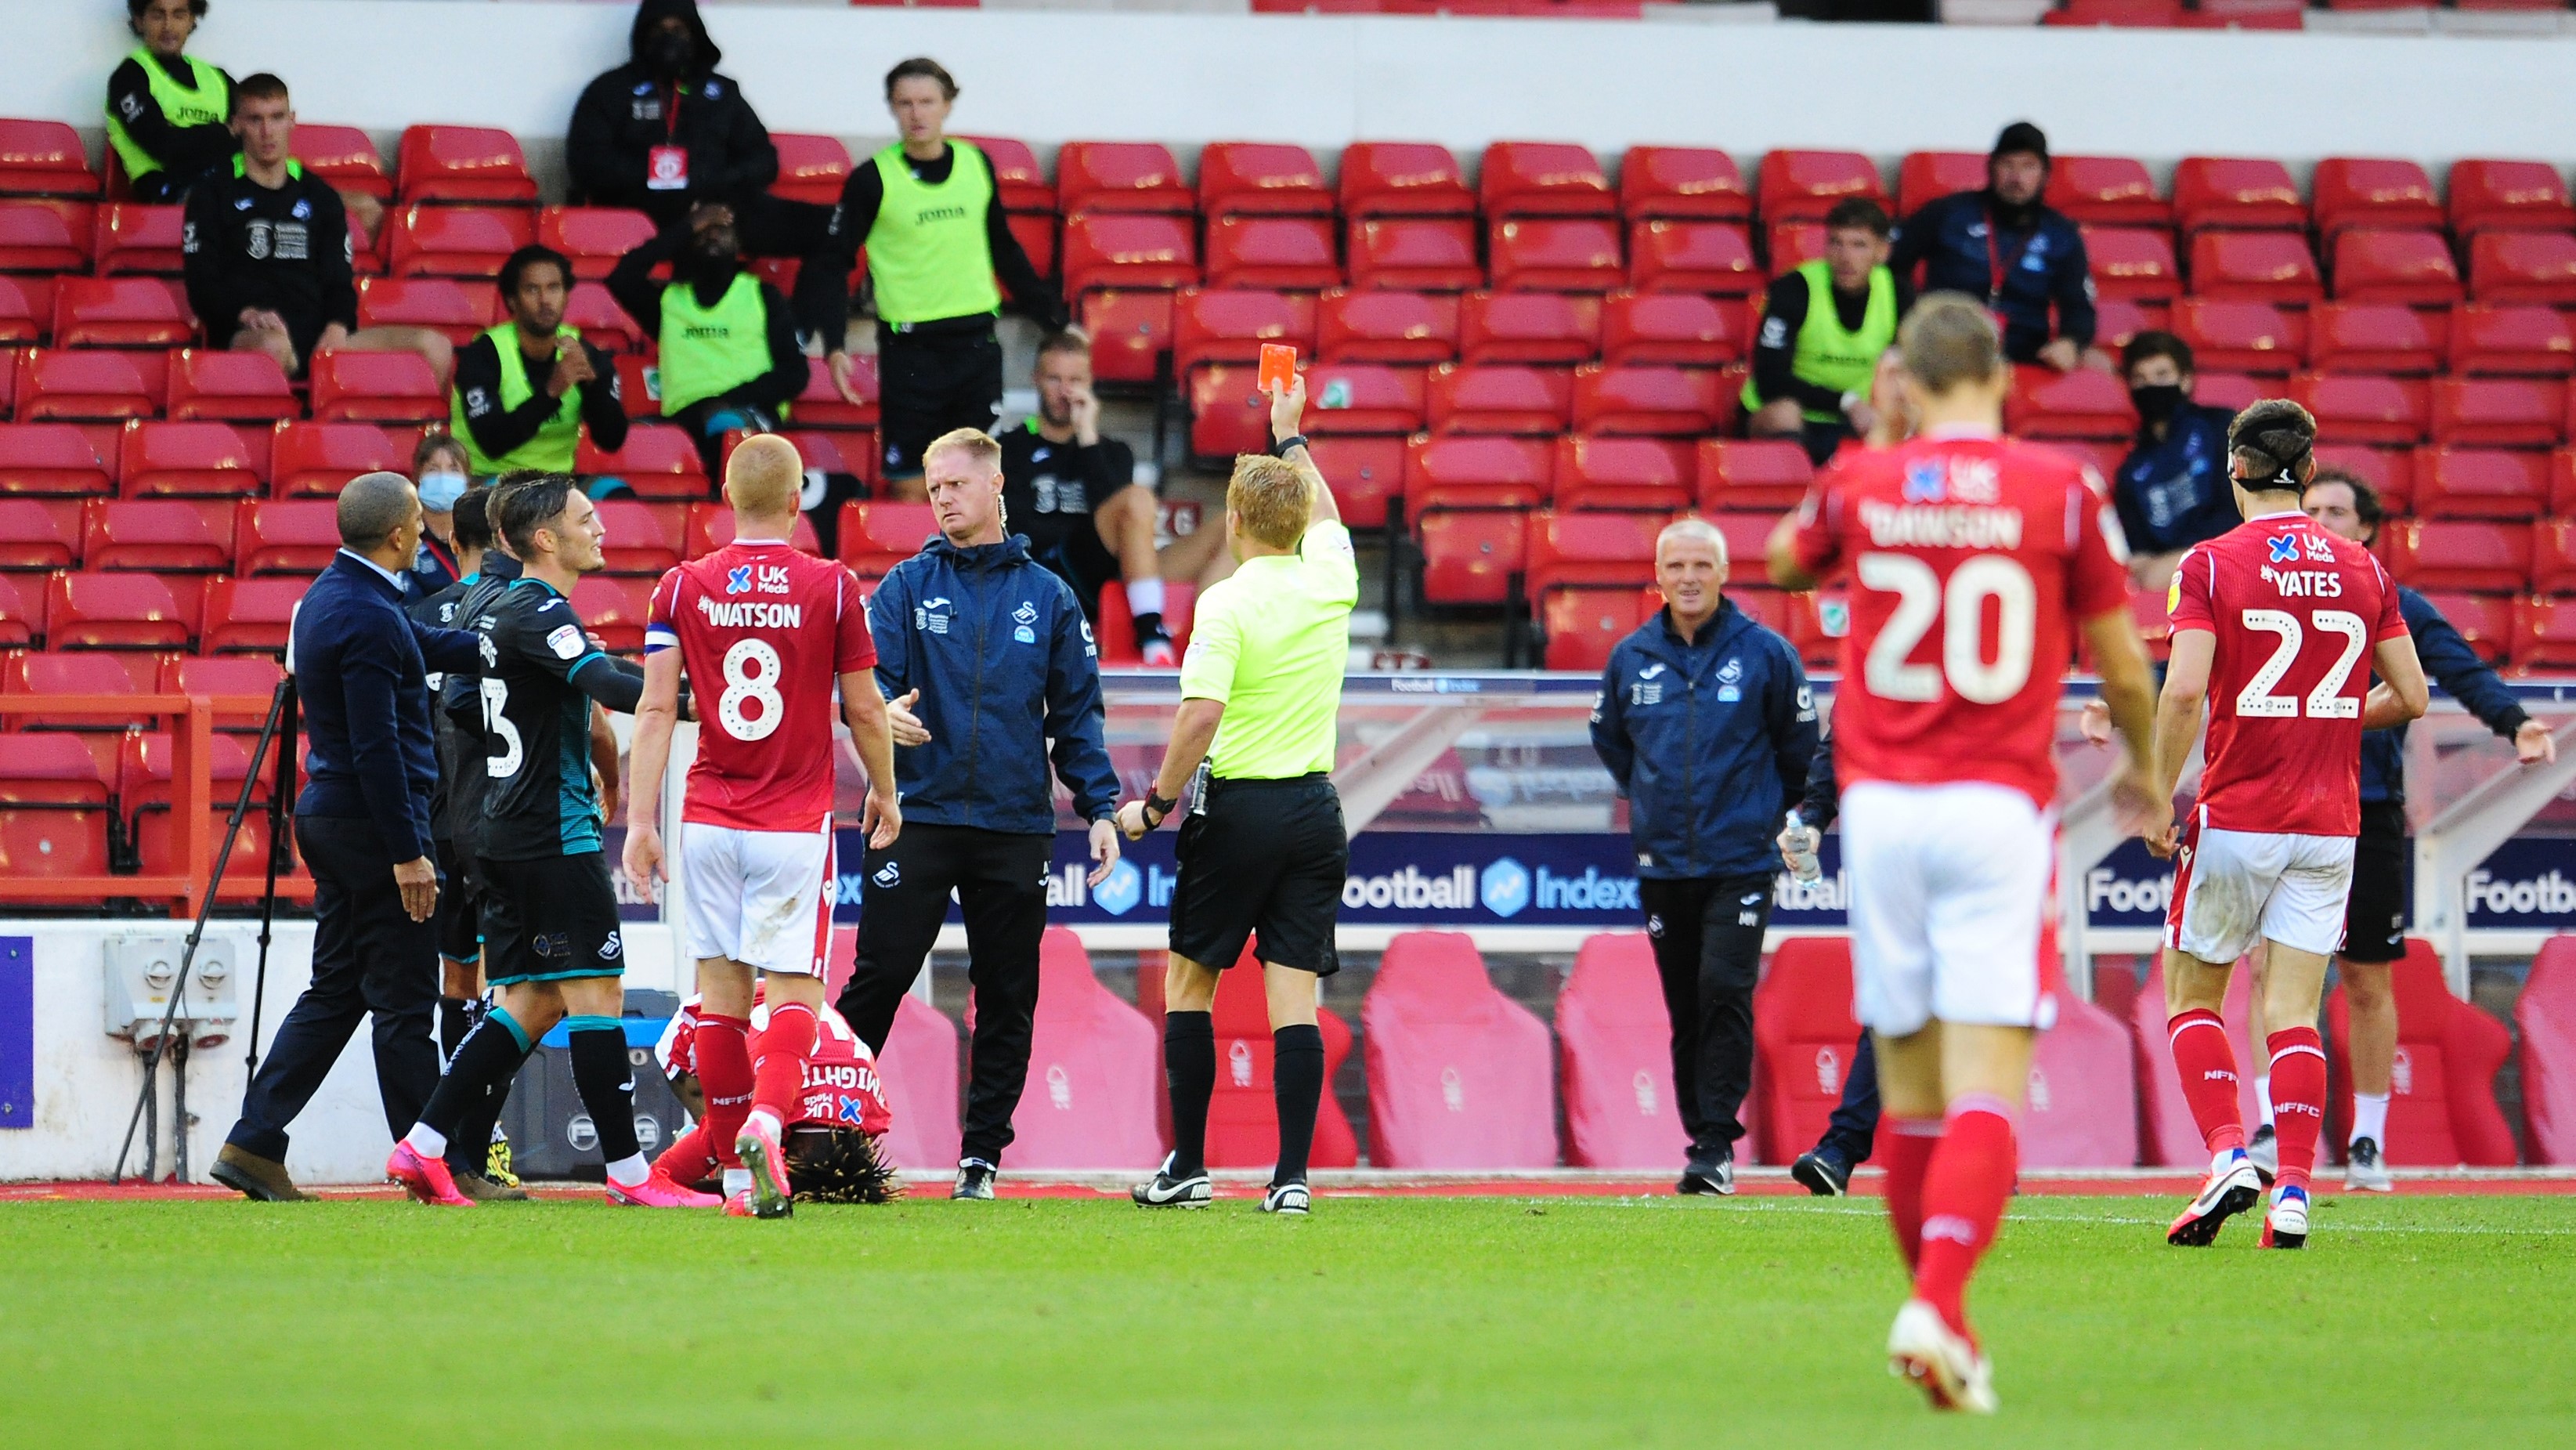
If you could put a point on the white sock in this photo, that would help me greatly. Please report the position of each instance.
(2370, 1118)
(2263, 1095)
(1144, 596)
(776, 1128)
(628, 1171)
(736, 1180)
(428, 1142)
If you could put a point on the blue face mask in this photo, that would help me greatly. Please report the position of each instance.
(440, 491)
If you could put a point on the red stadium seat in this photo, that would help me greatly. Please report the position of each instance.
(919, 1073)
(2485, 621)
(2484, 558)
(1803, 1036)
(710, 526)
(1758, 473)
(98, 386)
(1403, 179)
(1024, 185)
(1115, 631)
(2378, 194)
(1469, 556)
(1366, 475)
(2237, 193)
(43, 158)
(812, 169)
(2389, 471)
(1115, 250)
(1212, 325)
(2509, 196)
(289, 536)
(200, 459)
(1093, 1087)
(55, 804)
(1227, 415)
(601, 322)
(1614, 1044)
(643, 538)
(2169, 1136)
(2229, 392)
(2442, 1112)
(2553, 541)
(121, 312)
(38, 533)
(2412, 267)
(2122, 14)
(460, 310)
(1925, 176)
(1692, 256)
(1239, 178)
(120, 611)
(1289, 252)
(221, 675)
(250, 614)
(1499, 399)
(133, 237)
(376, 387)
(2271, 267)
(1572, 546)
(1682, 183)
(79, 672)
(2511, 340)
(2116, 320)
(877, 536)
(1542, 328)
(455, 241)
(615, 610)
(2544, 634)
(2106, 191)
(1130, 332)
(1344, 398)
(2371, 337)
(2244, 337)
(1804, 185)
(2538, 267)
(594, 237)
(177, 534)
(1671, 402)
(2133, 263)
(1791, 245)
(342, 156)
(1543, 178)
(2499, 412)
(2480, 483)
(45, 236)
(2363, 409)
(658, 461)
(1564, 254)
(1243, 1119)
(226, 386)
(1625, 473)
(1120, 176)
(1387, 327)
(144, 791)
(1415, 254)
(2544, 1016)
(320, 458)
(1582, 627)
(1036, 234)
(2082, 1107)
(2085, 403)
(825, 452)
(462, 163)
(22, 616)
(1460, 1076)
(1474, 471)
(51, 458)
(819, 406)
(26, 316)
(1680, 329)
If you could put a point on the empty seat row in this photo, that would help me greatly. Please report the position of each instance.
(92, 804)
(2414, 268)
(1384, 399)
(2351, 408)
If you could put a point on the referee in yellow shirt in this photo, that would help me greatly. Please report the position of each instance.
(1262, 849)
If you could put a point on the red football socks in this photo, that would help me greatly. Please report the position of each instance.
(1964, 1192)
(2206, 1062)
(1908, 1145)
(2298, 1100)
(779, 1065)
(723, 1050)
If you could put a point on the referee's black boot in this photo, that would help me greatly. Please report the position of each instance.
(974, 1180)
(1708, 1173)
(1823, 1171)
(1164, 1190)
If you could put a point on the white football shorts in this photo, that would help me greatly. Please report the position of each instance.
(2234, 887)
(762, 898)
(1949, 886)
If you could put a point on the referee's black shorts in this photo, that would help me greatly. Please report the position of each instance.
(934, 382)
(1265, 856)
(2374, 913)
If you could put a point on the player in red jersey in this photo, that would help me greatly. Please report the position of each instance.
(836, 1146)
(764, 633)
(2270, 622)
(1975, 563)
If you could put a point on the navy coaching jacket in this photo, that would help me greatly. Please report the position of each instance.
(997, 646)
(2043, 265)
(1709, 741)
(2449, 662)
(362, 677)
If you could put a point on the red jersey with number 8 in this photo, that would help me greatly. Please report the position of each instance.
(763, 631)
(2295, 611)
(1970, 558)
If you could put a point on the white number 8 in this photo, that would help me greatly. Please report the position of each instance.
(751, 673)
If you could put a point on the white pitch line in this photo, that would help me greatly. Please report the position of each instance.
(1846, 1210)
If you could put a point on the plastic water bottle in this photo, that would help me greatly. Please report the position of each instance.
(1799, 843)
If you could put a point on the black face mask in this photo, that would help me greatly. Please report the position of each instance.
(670, 54)
(2156, 402)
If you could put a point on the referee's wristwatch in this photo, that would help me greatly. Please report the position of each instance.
(1157, 809)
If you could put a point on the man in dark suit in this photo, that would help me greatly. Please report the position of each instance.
(363, 823)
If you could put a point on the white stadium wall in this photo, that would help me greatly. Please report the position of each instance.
(1050, 76)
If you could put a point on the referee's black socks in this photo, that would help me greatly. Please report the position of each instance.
(1297, 1086)
(1189, 1067)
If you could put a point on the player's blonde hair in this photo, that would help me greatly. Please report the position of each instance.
(764, 477)
(1270, 496)
(1949, 340)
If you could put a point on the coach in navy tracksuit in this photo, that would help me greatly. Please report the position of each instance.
(363, 822)
(985, 656)
(1707, 725)
(2011, 251)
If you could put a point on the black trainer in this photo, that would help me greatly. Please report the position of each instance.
(1164, 1190)
(1287, 1198)
(1708, 1175)
(974, 1180)
(1823, 1171)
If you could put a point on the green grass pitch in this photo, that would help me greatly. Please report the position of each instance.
(1380, 1321)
